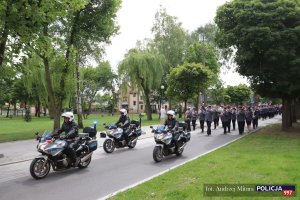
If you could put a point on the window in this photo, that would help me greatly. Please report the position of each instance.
(142, 107)
(134, 94)
(134, 103)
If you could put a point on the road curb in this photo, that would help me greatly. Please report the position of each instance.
(167, 170)
(14, 162)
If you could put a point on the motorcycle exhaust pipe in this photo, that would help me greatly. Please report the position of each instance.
(86, 157)
(183, 145)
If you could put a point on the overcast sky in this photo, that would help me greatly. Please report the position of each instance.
(136, 18)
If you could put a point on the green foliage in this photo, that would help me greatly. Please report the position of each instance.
(90, 33)
(187, 80)
(265, 35)
(142, 69)
(216, 93)
(204, 53)
(94, 79)
(238, 94)
(169, 38)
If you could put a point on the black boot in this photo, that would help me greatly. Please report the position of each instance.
(77, 161)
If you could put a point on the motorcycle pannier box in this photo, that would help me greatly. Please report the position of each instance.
(138, 132)
(183, 125)
(91, 131)
(136, 123)
(92, 145)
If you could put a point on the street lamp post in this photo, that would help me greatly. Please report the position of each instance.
(161, 93)
(162, 87)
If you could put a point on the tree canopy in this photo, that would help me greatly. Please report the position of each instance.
(142, 69)
(238, 94)
(187, 80)
(265, 35)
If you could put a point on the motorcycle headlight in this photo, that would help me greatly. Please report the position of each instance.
(159, 136)
(41, 147)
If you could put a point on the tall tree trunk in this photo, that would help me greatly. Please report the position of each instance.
(38, 109)
(294, 119)
(54, 107)
(45, 110)
(78, 98)
(286, 114)
(7, 112)
(148, 107)
(15, 108)
(5, 32)
(148, 104)
(185, 105)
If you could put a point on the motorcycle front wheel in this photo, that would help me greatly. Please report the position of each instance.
(179, 150)
(108, 146)
(39, 168)
(157, 154)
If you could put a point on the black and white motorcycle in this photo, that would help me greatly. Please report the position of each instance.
(165, 144)
(116, 137)
(52, 153)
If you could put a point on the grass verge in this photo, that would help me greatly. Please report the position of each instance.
(12, 129)
(268, 156)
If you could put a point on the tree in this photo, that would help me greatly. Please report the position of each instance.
(216, 93)
(183, 81)
(16, 24)
(265, 35)
(87, 34)
(205, 53)
(169, 38)
(142, 69)
(170, 41)
(67, 32)
(238, 94)
(95, 79)
(202, 49)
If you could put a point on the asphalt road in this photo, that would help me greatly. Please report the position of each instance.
(107, 173)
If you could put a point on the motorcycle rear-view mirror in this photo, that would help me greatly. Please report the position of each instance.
(151, 126)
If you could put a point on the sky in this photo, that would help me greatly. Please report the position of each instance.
(136, 18)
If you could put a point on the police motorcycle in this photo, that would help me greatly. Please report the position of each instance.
(52, 152)
(165, 145)
(116, 138)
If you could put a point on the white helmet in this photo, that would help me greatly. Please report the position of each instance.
(171, 112)
(124, 111)
(68, 115)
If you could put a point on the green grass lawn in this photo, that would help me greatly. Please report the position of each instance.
(16, 128)
(266, 157)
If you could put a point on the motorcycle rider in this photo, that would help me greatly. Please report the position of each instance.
(124, 123)
(172, 125)
(70, 128)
